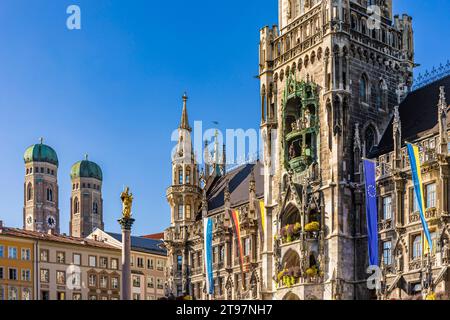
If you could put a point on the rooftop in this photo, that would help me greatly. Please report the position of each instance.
(142, 244)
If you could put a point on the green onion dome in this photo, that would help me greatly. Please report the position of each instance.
(86, 169)
(40, 153)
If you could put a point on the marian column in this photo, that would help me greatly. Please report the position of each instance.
(126, 223)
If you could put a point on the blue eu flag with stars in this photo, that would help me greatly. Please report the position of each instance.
(371, 211)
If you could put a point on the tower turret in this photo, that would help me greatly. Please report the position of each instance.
(41, 198)
(86, 203)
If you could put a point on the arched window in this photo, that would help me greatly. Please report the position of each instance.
(363, 88)
(49, 194)
(188, 175)
(95, 207)
(369, 140)
(29, 192)
(76, 206)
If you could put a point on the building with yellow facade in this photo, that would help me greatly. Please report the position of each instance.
(17, 266)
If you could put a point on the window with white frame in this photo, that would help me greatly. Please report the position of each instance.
(159, 283)
(415, 203)
(77, 259)
(13, 293)
(115, 283)
(387, 253)
(387, 208)
(136, 281)
(12, 252)
(13, 274)
(26, 275)
(431, 195)
(26, 294)
(92, 261)
(104, 282)
(417, 247)
(150, 282)
(26, 254)
(45, 275)
(2, 249)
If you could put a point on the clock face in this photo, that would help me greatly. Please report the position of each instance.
(51, 222)
(29, 220)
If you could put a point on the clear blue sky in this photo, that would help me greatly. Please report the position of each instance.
(113, 89)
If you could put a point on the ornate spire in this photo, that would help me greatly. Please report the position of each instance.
(184, 116)
(442, 101)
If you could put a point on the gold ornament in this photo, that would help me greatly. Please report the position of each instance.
(127, 202)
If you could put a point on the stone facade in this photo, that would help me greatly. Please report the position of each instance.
(410, 270)
(324, 75)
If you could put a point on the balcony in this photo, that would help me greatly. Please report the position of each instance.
(383, 170)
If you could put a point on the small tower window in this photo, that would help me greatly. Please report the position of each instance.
(188, 177)
(95, 207)
(180, 211)
(180, 176)
(49, 194)
(76, 206)
(29, 192)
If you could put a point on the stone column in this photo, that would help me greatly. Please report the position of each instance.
(126, 224)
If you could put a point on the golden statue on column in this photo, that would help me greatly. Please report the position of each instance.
(127, 202)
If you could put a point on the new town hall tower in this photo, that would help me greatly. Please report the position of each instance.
(331, 74)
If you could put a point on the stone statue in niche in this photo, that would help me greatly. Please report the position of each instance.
(292, 153)
(289, 9)
(307, 123)
(399, 261)
(445, 251)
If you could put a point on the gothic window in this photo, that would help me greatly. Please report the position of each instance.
(95, 207)
(363, 88)
(188, 175)
(49, 194)
(180, 176)
(188, 211)
(417, 247)
(76, 205)
(29, 192)
(180, 211)
(369, 140)
(179, 262)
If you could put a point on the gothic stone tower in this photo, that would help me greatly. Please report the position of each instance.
(41, 197)
(184, 197)
(86, 208)
(329, 75)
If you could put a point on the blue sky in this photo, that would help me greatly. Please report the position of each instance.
(113, 89)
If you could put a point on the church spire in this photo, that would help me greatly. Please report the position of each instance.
(184, 124)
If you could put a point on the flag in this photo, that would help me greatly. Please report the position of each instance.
(237, 232)
(414, 159)
(371, 211)
(261, 214)
(207, 235)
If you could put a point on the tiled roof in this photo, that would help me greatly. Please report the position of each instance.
(142, 244)
(155, 236)
(54, 237)
(418, 115)
(239, 180)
